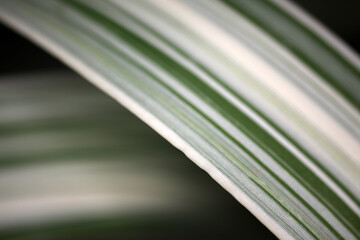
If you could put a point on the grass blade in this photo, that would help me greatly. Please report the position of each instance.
(263, 102)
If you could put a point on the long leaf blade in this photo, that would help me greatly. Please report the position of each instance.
(247, 91)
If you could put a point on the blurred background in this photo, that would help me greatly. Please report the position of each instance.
(75, 165)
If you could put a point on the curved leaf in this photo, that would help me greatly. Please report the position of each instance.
(253, 91)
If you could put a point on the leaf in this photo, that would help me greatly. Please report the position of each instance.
(255, 92)
(70, 167)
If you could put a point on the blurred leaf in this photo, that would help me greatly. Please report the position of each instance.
(70, 168)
